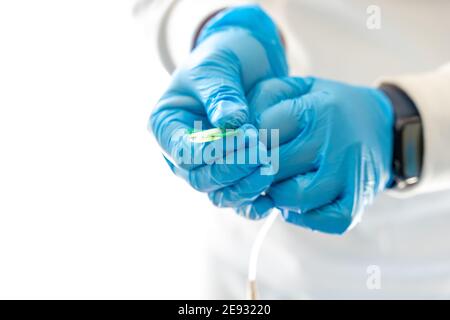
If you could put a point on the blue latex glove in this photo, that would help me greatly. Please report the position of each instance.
(236, 49)
(336, 146)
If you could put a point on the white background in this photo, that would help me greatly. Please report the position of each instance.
(88, 207)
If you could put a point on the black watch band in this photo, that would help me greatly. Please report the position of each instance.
(408, 138)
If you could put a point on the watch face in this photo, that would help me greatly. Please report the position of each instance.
(408, 138)
(412, 150)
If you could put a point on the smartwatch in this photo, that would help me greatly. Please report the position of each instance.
(408, 138)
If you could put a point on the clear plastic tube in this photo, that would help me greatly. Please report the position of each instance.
(252, 292)
(216, 134)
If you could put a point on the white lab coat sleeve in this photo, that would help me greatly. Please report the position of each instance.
(431, 94)
(179, 20)
(177, 25)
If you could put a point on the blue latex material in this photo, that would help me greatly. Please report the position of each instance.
(235, 50)
(336, 144)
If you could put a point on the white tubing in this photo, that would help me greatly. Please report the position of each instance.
(254, 254)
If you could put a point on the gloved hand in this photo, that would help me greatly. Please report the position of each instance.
(236, 49)
(336, 146)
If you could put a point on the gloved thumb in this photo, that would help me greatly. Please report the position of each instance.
(218, 85)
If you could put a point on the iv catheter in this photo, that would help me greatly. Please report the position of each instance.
(210, 135)
(213, 135)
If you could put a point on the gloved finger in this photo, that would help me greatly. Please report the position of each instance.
(258, 209)
(333, 218)
(217, 83)
(268, 93)
(244, 191)
(299, 156)
(291, 116)
(304, 192)
(209, 178)
(173, 116)
(300, 136)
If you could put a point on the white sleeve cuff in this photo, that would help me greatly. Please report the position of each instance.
(431, 94)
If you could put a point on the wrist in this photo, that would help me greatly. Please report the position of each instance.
(210, 17)
(250, 17)
(202, 25)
